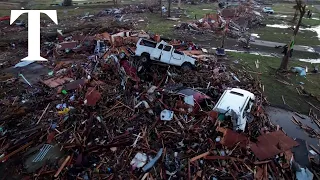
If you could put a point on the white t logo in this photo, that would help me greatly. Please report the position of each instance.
(34, 30)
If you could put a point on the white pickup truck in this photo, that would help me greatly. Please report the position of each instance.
(236, 103)
(163, 52)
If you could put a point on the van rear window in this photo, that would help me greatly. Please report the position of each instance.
(236, 93)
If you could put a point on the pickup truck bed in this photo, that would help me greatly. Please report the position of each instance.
(148, 43)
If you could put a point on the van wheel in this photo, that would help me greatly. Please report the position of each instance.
(144, 58)
(186, 67)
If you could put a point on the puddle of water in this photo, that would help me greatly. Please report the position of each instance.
(315, 29)
(253, 53)
(281, 26)
(257, 13)
(255, 35)
(283, 119)
(261, 54)
(308, 48)
(230, 50)
(313, 61)
(281, 16)
(284, 26)
(285, 16)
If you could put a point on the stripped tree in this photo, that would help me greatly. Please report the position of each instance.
(296, 12)
(285, 60)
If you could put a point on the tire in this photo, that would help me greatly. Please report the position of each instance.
(144, 58)
(186, 67)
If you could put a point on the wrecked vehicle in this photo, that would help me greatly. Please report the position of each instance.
(164, 53)
(236, 103)
(268, 10)
(198, 100)
(194, 100)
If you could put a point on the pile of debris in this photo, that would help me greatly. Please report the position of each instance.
(234, 20)
(128, 10)
(101, 112)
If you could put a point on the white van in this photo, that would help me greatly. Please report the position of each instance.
(236, 103)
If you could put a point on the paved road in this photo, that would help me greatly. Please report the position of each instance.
(273, 44)
(317, 6)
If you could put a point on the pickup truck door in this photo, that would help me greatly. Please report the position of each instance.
(176, 58)
(166, 54)
(155, 54)
(246, 114)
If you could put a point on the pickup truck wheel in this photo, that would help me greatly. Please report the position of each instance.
(186, 67)
(144, 58)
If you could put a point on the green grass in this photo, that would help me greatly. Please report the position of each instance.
(288, 20)
(274, 90)
(288, 7)
(155, 24)
(278, 8)
(4, 12)
(62, 13)
(308, 38)
(193, 10)
(311, 22)
(162, 26)
(159, 25)
(312, 8)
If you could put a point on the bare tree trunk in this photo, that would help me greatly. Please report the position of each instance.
(295, 32)
(169, 8)
(295, 15)
(286, 57)
(179, 4)
(285, 61)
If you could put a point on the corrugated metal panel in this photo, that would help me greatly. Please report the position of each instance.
(271, 144)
